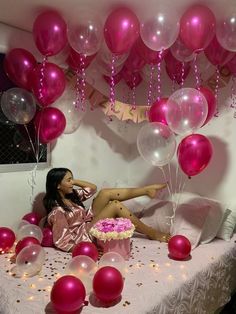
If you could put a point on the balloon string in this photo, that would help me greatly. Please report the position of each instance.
(150, 86)
(31, 142)
(233, 93)
(32, 182)
(112, 83)
(42, 75)
(182, 74)
(167, 182)
(159, 75)
(133, 94)
(217, 90)
(196, 72)
(82, 68)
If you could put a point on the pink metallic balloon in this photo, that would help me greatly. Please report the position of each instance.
(49, 31)
(7, 239)
(134, 62)
(157, 112)
(194, 154)
(47, 83)
(86, 248)
(50, 124)
(197, 27)
(47, 237)
(179, 247)
(216, 54)
(75, 62)
(107, 284)
(27, 241)
(18, 65)
(211, 102)
(121, 30)
(68, 294)
(32, 218)
(176, 70)
(132, 79)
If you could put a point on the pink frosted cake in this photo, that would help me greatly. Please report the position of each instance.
(113, 234)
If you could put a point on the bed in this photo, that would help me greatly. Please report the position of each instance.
(154, 283)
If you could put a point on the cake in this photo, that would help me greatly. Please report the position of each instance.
(113, 234)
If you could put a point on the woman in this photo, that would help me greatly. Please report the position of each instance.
(71, 221)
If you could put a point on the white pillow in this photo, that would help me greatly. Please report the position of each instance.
(157, 215)
(216, 215)
(227, 228)
(189, 221)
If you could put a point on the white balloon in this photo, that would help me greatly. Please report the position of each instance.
(30, 230)
(156, 143)
(113, 259)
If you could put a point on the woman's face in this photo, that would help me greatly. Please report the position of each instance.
(66, 185)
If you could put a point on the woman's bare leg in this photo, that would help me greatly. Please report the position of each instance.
(116, 209)
(107, 195)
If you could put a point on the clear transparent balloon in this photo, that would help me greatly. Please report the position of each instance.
(30, 260)
(156, 143)
(30, 230)
(113, 259)
(226, 30)
(84, 268)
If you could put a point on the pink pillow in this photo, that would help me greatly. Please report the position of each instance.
(189, 221)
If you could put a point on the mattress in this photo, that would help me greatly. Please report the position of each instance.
(154, 283)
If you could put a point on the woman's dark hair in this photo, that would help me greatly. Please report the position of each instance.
(53, 197)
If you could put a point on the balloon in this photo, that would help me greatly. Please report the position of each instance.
(50, 124)
(22, 223)
(85, 33)
(86, 248)
(68, 294)
(7, 239)
(179, 247)
(157, 112)
(107, 284)
(134, 62)
(180, 52)
(30, 260)
(131, 79)
(49, 32)
(27, 241)
(30, 230)
(194, 154)
(84, 268)
(75, 62)
(211, 102)
(197, 27)
(116, 78)
(47, 240)
(187, 111)
(121, 30)
(226, 29)
(18, 65)
(148, 55)
(156, 143)
(160, 31)
(67, 105)
(18, 105)
(105, 57)
(106, 69)
(231, 65)
(32, 218)
(176, 70)
(47, 83)
(113, 259)
(216, 54)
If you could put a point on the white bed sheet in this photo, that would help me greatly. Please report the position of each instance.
(154, 283)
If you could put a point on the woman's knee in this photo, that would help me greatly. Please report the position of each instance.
(104, 193)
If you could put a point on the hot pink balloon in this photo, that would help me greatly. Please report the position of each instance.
(47, 240)
(211, 102)
(157, 112)
(231, 65)
(47, 83)
(86, 248)
(75, 62)
(179, 247)
(107, 284)
(134, 62)
(18, 64)
(197, 27)
(148, 55)
(176, 70)
(121, 30)
(50, 124)
(131, 79)
(50, 33)
(32, 218)
(68, 294)
(7, 239)
(27, 241)
(116, 78)
(194, 154)
(216, 54)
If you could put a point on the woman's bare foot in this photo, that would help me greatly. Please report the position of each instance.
(152, 190)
